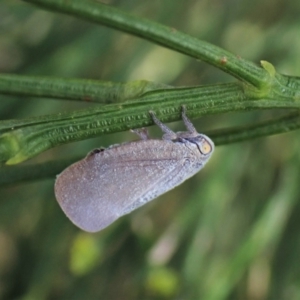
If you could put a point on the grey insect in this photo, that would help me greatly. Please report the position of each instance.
(109, 183)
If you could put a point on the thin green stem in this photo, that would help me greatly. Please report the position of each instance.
(30, 172)
(75, 89)
(22, 139)
(23, 173)
(260, 88)
(95, 11)
(283, 124)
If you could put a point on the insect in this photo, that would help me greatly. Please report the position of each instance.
(109, 183)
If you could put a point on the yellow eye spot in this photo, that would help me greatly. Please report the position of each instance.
(206, 147)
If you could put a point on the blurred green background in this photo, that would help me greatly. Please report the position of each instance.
(230, 232)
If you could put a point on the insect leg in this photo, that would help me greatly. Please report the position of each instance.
(187, 122)
(142, 133)
(169, 134)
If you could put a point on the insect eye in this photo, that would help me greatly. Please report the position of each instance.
(205, 147)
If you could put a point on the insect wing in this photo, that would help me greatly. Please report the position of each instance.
(99, 189)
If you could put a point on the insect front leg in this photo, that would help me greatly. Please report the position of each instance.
(169, 134)
(187, 122)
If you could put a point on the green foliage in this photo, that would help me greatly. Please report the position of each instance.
(231, 232)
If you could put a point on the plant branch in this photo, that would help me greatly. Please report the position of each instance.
(94, 11)
(104, 92)
(23, 173)
(259, 88)
(22, 139)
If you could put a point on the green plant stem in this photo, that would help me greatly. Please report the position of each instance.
(283, 124)
(94, 11)
(30, 172)
(23, 173)
(75, 89)
(22, 139)
(259, 88)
